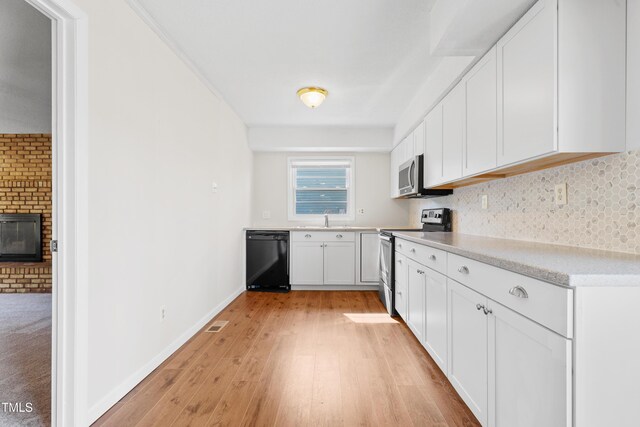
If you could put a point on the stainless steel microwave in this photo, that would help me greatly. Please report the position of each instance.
(410, 182)
(410, 177)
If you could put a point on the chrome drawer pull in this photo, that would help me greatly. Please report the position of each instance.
(413, 250)
(464, 269)
(339, 236)
(519, 291)
(487, 311)
(400, 245)
(432, 257)
(420, 271)
(479, 307)
(307, 236)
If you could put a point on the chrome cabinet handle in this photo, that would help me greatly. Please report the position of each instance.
(479, 307)
(400, 245)
(399, 292)
(487, 311)
(307, 236)
(519, 291)
(420, 271)
(432, 257)
(464, 269)
(339, 236)
(399, 261)
(413, 250)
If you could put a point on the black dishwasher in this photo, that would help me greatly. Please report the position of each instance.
(268, 261)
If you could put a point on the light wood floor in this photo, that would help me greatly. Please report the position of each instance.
(305, 358)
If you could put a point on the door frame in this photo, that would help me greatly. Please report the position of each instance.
(70, 172)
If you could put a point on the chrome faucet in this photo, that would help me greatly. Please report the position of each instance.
(326, 220)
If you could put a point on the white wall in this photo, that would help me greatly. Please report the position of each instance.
(633, 74)
(311, 138)
(158, 236)
(25, 69)
(371, 187)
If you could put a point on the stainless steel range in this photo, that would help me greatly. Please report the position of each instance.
(432, 220)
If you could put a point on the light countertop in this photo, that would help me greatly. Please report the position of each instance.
(561, 265)
(331, 228)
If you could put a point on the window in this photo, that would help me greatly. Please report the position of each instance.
(321, 185)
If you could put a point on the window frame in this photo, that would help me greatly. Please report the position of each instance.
(351, 191)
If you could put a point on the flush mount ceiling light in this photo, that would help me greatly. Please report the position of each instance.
(312, 96)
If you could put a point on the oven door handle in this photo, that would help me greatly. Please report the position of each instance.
(385, 238)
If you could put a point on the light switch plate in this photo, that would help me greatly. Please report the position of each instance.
(266, 214)
(561, 194)
(485, 201)
(361, 211)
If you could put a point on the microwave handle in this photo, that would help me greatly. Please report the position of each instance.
(412, 172)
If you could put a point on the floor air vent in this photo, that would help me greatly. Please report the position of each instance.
(217, 326)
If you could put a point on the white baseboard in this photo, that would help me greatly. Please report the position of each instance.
(97, 410)
(334, 287)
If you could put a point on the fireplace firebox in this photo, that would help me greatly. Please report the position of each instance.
(20, 237)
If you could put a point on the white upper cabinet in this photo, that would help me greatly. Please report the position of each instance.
(407, 145)
(526, 70)
(481, 137)
(394, 164)
(432, 174)
(418, 139)
(551, 91)
(453, 128)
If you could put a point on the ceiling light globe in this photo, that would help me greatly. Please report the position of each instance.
(312, 97)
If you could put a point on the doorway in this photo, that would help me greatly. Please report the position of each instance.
(68, 160)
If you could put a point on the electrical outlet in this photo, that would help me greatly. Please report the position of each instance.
(163, 313)
(214, 187)
(561, 194)
(361, 211)
(266, 214)
(485, 201)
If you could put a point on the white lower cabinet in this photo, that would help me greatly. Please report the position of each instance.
(529, 372)
(468, 347)
(416, 299)
(435, 339)
(307, 263)
(369, 257)
(323, 258)
(339, 263)
(401, 278)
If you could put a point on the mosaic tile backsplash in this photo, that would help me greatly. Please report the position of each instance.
(602, 210)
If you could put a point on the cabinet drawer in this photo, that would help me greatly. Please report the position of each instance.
(323, 236)
(547, 304)
(423, 254)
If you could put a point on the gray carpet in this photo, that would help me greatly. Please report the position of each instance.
(25, 359)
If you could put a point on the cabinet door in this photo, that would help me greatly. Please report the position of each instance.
(527, 85)
(339, 263)
(468, 328)
(432, 174)
(394, 164)
(369, 257)
(436, 317)
(419, 139)
(407, 145)
(416, 299)
(453, 111)
(401, 278)
(529, 372)
(307, 263)
(481, 136)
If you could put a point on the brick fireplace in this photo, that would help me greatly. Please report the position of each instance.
(25, 187)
